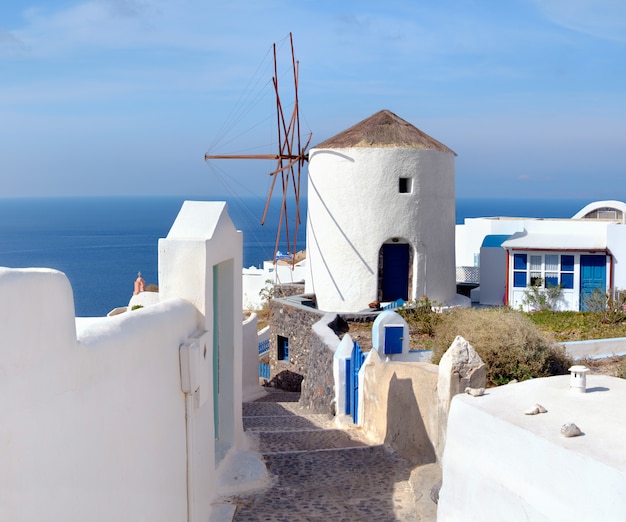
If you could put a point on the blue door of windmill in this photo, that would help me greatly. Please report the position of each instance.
(395, 268)
(353, 365)
(592, 278)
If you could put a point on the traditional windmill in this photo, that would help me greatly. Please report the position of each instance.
(290, 158)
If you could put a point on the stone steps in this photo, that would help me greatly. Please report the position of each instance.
(320, 472)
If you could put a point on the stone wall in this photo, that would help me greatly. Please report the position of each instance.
(290, 289)
(318, 387)
(291, 320)
(312, 344)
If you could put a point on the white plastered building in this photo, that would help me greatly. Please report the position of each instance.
(583, 254)
(381, 216)
(136, 416)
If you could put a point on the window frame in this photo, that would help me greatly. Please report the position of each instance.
(531, 266)
(282, 348)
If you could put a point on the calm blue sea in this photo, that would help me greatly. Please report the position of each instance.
(101, 243)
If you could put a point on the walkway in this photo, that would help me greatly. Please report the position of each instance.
(321, 473)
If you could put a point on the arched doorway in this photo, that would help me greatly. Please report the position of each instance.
(394, 270)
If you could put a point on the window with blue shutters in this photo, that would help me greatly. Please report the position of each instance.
(519, 270)
(546, 270)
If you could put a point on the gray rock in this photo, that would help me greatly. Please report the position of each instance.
(475, 392)
(434, 492)
(569, 429)
(534, 410)
(460, 367)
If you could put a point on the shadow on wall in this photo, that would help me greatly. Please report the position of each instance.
(406, 432)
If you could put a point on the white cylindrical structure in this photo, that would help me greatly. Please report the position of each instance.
(381, 216)
(578, 378)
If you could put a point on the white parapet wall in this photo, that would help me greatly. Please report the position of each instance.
(252, 390)
(135, 416)
(499, 463)
(92, 427)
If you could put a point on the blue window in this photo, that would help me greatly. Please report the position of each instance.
(547, 270)
(552, 281)
(567, 271)
(283, 348)
(519, 270)
(519, 261)
(567, 263)
(567, 280)
(519, 279)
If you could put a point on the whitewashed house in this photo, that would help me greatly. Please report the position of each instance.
(584, 254)
(257, 283)
(381, 216)
(130, 417)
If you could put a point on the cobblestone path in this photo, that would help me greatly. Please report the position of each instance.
(319, 472)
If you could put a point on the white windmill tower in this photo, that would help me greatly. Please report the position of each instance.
(381, 216)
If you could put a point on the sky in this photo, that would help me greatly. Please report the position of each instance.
(125, 97)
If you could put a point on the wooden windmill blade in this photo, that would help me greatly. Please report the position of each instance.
(290, 158)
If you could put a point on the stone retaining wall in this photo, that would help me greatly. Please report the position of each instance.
(292, 321)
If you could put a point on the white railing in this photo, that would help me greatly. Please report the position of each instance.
(468, 274)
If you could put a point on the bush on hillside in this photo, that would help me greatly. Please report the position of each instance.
(510, 345)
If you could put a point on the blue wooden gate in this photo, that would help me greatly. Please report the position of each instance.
(353, 365)
(264, 350)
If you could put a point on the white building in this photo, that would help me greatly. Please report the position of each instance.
(258, 282)
(131, 417)
(381, 216)
(584, 254)
(501, 464)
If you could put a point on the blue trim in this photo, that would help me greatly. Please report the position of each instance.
(494, 240)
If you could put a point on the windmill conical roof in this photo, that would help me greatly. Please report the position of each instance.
(383, 129)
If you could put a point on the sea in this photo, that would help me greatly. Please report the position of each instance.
(101, 243)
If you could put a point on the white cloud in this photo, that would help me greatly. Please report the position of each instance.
(599, 18)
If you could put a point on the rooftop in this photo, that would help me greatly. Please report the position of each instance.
(383, 129)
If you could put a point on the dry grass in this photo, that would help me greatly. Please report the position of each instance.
(511, 346)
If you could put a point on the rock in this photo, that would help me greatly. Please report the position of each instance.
(460, 367)
(534, 410)
(434, 492)
(339, 325)
(569, 429)
(286, 381)
(475, 392)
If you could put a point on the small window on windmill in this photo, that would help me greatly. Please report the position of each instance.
(405, 185)
(283, 348)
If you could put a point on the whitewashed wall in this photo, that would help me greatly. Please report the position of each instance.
(92, 428)
(501, 464)
(115, 418)
(354, 206)
(470, 235)
(200, 260)
(616, 240)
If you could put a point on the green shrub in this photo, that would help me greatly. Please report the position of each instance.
(420, 317)
(510, 345)
(536, 297)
